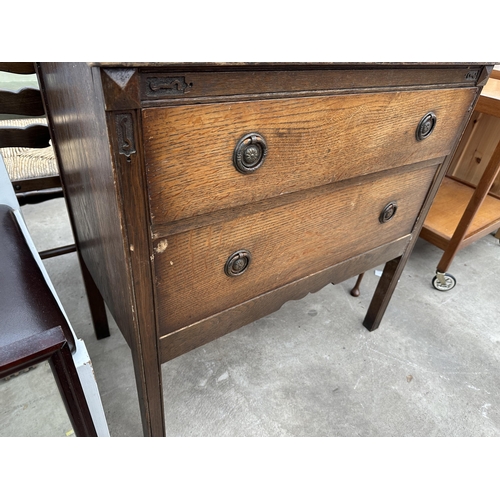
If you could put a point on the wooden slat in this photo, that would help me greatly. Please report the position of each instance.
(40, 183)
(55, 252)
(33, 136)
(35, 197)
(480, 234)
(25, 102)
(21, 68)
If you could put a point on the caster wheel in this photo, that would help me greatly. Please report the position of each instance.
(450, 282)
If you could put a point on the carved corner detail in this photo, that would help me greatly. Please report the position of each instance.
(120, 76)
(121, 88)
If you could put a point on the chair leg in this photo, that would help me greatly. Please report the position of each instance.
(96, 303)
(71, 390)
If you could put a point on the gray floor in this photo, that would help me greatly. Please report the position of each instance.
(310, 369)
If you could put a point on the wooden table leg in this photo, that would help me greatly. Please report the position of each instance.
(384, 291)
(149, 388)
(96, 302)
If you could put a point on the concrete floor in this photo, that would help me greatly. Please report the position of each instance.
(310, 369)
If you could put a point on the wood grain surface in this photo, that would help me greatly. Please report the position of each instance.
(159, 207)
(442, 221)
(32, 136)
(185, 339)
(475, 150)
(24, 102)
(311, 141)
(489, 102)
(226, 81)
(76, 114)
(286, 243)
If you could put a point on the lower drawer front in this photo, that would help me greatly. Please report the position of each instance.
(285, 243)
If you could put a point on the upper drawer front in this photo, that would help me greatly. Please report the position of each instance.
(285, 243)
(310, 142)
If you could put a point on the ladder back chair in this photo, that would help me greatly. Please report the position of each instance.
(31, 163)
(25, 145)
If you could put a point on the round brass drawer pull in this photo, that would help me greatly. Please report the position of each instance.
(426, 126)
(388, 212)
(249, 153)
(237, 263)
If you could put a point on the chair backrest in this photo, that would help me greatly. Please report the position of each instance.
(25, 138)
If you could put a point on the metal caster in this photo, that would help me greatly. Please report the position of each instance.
(443, 282)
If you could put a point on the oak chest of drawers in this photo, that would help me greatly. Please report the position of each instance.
(204, 196)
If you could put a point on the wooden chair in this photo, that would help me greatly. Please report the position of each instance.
(34, 327)
(25, 146)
